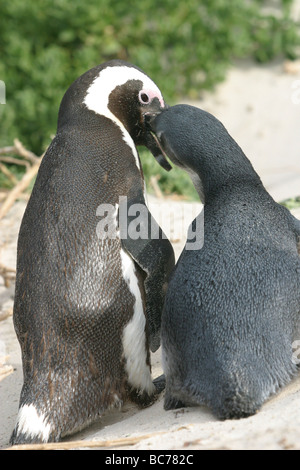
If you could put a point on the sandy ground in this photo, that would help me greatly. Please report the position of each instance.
(258, 107)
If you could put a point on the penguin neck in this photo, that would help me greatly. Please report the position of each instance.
(223, 172)
(94, 129)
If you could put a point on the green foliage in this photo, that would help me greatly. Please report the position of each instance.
(16, 170)
(293, 203)
(184, 46)
(174, 182)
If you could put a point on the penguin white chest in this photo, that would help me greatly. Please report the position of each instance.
(134, 336)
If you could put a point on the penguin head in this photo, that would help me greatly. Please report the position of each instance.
(183, 133)
(198, 143)
(120, 92)
(195, 139)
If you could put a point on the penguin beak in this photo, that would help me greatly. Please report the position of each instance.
(152, 142)
(158, 153)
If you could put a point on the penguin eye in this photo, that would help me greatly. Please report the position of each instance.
(144, 97)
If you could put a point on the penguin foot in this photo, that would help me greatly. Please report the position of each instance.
(144, 399)
(172, 403)
(160, 383)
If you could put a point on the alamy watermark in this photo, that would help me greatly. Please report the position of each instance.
(2, 92)
(134, 221)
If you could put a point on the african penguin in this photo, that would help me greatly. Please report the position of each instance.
(88, 307)
(232, 308)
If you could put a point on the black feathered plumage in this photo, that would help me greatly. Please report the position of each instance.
(233, 307)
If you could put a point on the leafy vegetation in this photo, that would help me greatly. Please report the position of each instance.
(293, 203)
(184, 46)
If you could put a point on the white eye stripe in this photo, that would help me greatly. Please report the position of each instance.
(99, 91)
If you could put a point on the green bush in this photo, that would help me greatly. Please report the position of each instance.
(293, 203)
(185, 46)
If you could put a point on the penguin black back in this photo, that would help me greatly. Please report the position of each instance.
(232, 308)
(84, 313)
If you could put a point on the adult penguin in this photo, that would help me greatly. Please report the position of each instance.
(232, 308)
(87, 306)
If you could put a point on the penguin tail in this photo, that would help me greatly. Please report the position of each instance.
(238, 397)
(229, 398)
(236, 406)
(32, 427)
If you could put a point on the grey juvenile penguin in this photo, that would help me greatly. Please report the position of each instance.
(232, 308)
(87, 307)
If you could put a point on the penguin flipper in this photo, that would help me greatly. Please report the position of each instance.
(152, 252)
